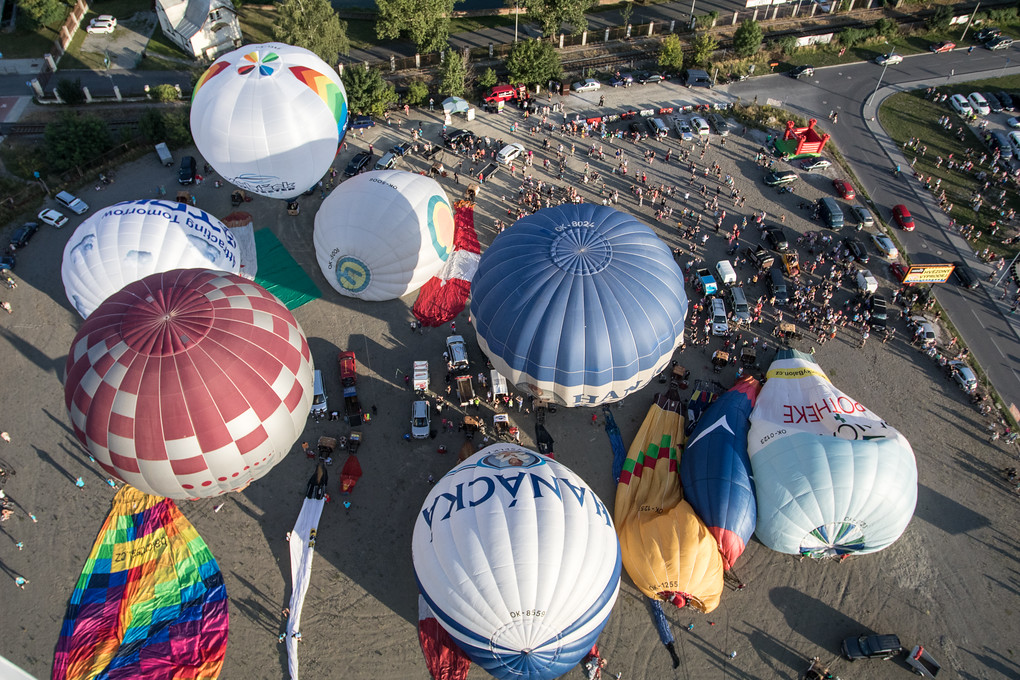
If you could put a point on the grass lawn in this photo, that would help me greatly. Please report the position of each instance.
(909, 114)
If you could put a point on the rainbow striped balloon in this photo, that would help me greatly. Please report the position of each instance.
(150, 602)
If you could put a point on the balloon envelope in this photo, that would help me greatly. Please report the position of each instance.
(519, 562)
(383, 234)
(666, 548)
(831, 477)
(579, 304)
(269, 118)
(130, 240)
(189, 383)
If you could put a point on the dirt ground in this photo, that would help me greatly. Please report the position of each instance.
(951, 583)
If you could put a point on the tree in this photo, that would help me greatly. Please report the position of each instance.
(417, 92)
(488, 79)
(164, 126)
(626, 11)
(747, 38)
(70, 91)
(425, 22)
(367, 92)
(702, 48)
(671, 54)
(554, 13)
(452, 75)
(314, 25)
(35, 13)
(532, 62)
(75, 140)
(940, 18)
(165, 93)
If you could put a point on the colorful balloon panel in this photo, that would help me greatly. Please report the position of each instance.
(519, 562)
(189, 383)
(579, 304)
(832, 478)
(150, 601)
(269, 118)
(383, 234)
(128, 241)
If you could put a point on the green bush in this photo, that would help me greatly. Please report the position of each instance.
(70, 91)
(1006, 15)
(488, 79)
(887, 28)
(164, 93)
(706, 21)
(417, 93)
(940, 18)
(787, 45)
(851, 37)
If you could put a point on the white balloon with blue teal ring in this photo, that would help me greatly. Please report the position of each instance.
(383, 234)
(579, 304)
(519, 560)
(128, 241)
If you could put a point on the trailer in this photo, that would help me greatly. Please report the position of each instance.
(165, 157)
(349, 379)
(465, 389)
(498, 384)
(421, 378)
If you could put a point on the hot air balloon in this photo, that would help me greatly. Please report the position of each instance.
(445, 295)
(579, 304)
(150, 601)
(667, 550)
(831, 477)
(383, 234)
(302, 551)
(130, 240)
(518, 561)
(269, 118)
(189, 383)
(716, 472)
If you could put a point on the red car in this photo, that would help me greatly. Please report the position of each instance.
(898, 271)
(903, 218)
(501, 93)
(843, 188)
(945, 46)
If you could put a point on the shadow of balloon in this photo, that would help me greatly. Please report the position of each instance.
(814, 620)
(33, 354)
(945, 513)
(781, 658)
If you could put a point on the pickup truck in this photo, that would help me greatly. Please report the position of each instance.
(465, 389)
(349, 380)
(761, 258)
(705, 282)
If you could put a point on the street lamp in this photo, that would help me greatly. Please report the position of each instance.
(517, 14)
(880, 77)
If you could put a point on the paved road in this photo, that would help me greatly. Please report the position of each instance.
(982, 320)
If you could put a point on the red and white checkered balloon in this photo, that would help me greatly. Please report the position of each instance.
(189, 383)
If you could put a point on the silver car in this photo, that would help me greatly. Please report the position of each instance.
(420, 420)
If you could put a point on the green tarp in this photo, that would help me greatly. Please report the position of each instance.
(280, 274)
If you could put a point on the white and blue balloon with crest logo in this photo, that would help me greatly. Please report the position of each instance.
(519, 560)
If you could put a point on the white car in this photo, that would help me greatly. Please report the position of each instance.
(104, 23)
(420, 420)
(979, 103)
(700, 125)
(586, 85)
(683, 129)
(509, 152)
(885, 245)
(924, 328)
(54, 218)
(69, 200)
(1014, 140)
(890, 59)
(961, 105)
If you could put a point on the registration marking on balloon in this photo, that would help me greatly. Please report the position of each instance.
(352, 274)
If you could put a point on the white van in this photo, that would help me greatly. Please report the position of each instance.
(720, 324)
(319, 406)
(866, 281)
(727, 275)
(741, 310)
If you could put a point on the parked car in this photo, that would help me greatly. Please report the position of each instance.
(387, 162)
(878, 309)
(501, 93)
(186, 173)
(509, 153)
(898, 271)
(885, 245)
(401, 149)
(719, 125)
(647, 77)
(1013, 122)
(863, 216)
(72, 203)
(457, 137)
(815, 163)
(902, 217)
(1000, 141)
(1014, 141)
(964, 376)
(420, 420)
(993, 102)
(960, 104)
(7, 262)
(700, 125)
(944, 46)
(104, 23)
(801, 71)
(23, 234)
(622, 80)
(361, 122)
(776, 238)
(53, 218)
(857, 250)
(358, 164)
(779, 177)
(683, 129)
(1000, 43)
(891, 59)
(1007, 100)
(586, 85)
(844, 188)
(921, 327)
(964, 276)
(979, 104)
(871, 647)
(986, 34)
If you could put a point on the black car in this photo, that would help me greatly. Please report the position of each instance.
(986, 34)
(777, 177)
(964, 276)
(871, 647)
(358, 163)
(458, 137)
(401, 149)
(993, 102)
(776, 238)
(801, 71)
(879, 313)
(857, 250)
(186, 175)
(650, 77)
(1006, 100)
(7, 262)
(24, 234)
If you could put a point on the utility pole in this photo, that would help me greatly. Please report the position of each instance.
(969, 21)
